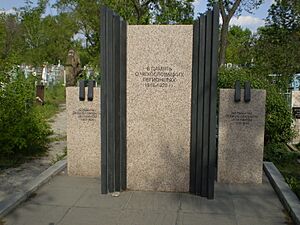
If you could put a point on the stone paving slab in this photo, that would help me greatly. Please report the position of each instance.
(25, 191)
(92, 198)
(220, 205)
(77, 201)
(31, 214)
(147, 217)
(165, 201)
(57, 196)
(257, 206)
(242, 220)
(206, 219)
(90, 216)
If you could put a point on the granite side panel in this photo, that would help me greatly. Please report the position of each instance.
(83, 133)
(295, 98)
(241, 137)
(296, 103)
(159, 70)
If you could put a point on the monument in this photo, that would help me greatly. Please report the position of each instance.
(158, 113)
(241, 137)
(83, 133)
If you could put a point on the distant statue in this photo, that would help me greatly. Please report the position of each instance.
(73, 68)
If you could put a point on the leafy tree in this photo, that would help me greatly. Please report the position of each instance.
(86, 14)
(10, 41)
(228, 8)
(46, 39)
(172, 12)
(278, 43)
(239, 49)
(284, 14)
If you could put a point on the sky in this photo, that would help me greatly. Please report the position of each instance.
(246, 20)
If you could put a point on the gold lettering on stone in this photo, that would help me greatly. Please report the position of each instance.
(159, 76)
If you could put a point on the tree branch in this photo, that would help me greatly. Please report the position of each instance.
(223, 13)
(234, 8)
(146, 3)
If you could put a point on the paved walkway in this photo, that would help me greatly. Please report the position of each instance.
(77, 201)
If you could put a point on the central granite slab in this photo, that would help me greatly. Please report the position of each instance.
(159, 76)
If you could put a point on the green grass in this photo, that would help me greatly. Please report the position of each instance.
(287, 163)
(291, 173)
(58, 138)
(54, 96)
(60, 156)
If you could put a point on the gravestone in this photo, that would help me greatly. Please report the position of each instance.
(83, 133)
(241, 137)
(159, 75)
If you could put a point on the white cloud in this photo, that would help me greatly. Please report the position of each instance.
(250, 22)
(8, 11)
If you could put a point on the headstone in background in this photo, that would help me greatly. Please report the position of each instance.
(40, 94)
(83, 133)
(241, 137)
(159, 76)
(296, 114)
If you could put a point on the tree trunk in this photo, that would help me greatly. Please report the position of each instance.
(223, 42)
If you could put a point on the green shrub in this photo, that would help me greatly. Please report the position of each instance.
(279, 154)
(278, 115)
(23, 130)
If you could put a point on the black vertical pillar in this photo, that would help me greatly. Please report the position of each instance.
(110, 102)
(123, 135)
(194, 102)
(116, 49)
(199, 109)
(212, 155)
(103, 66)
(113, 102)
(204, 90)
(206, 108)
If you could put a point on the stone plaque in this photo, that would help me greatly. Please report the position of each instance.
(241, 137)
(83, 133)
(159, 75)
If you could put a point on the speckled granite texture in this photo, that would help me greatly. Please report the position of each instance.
(83, 133)
(241, 137)
(159, 67)
(296, 103)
